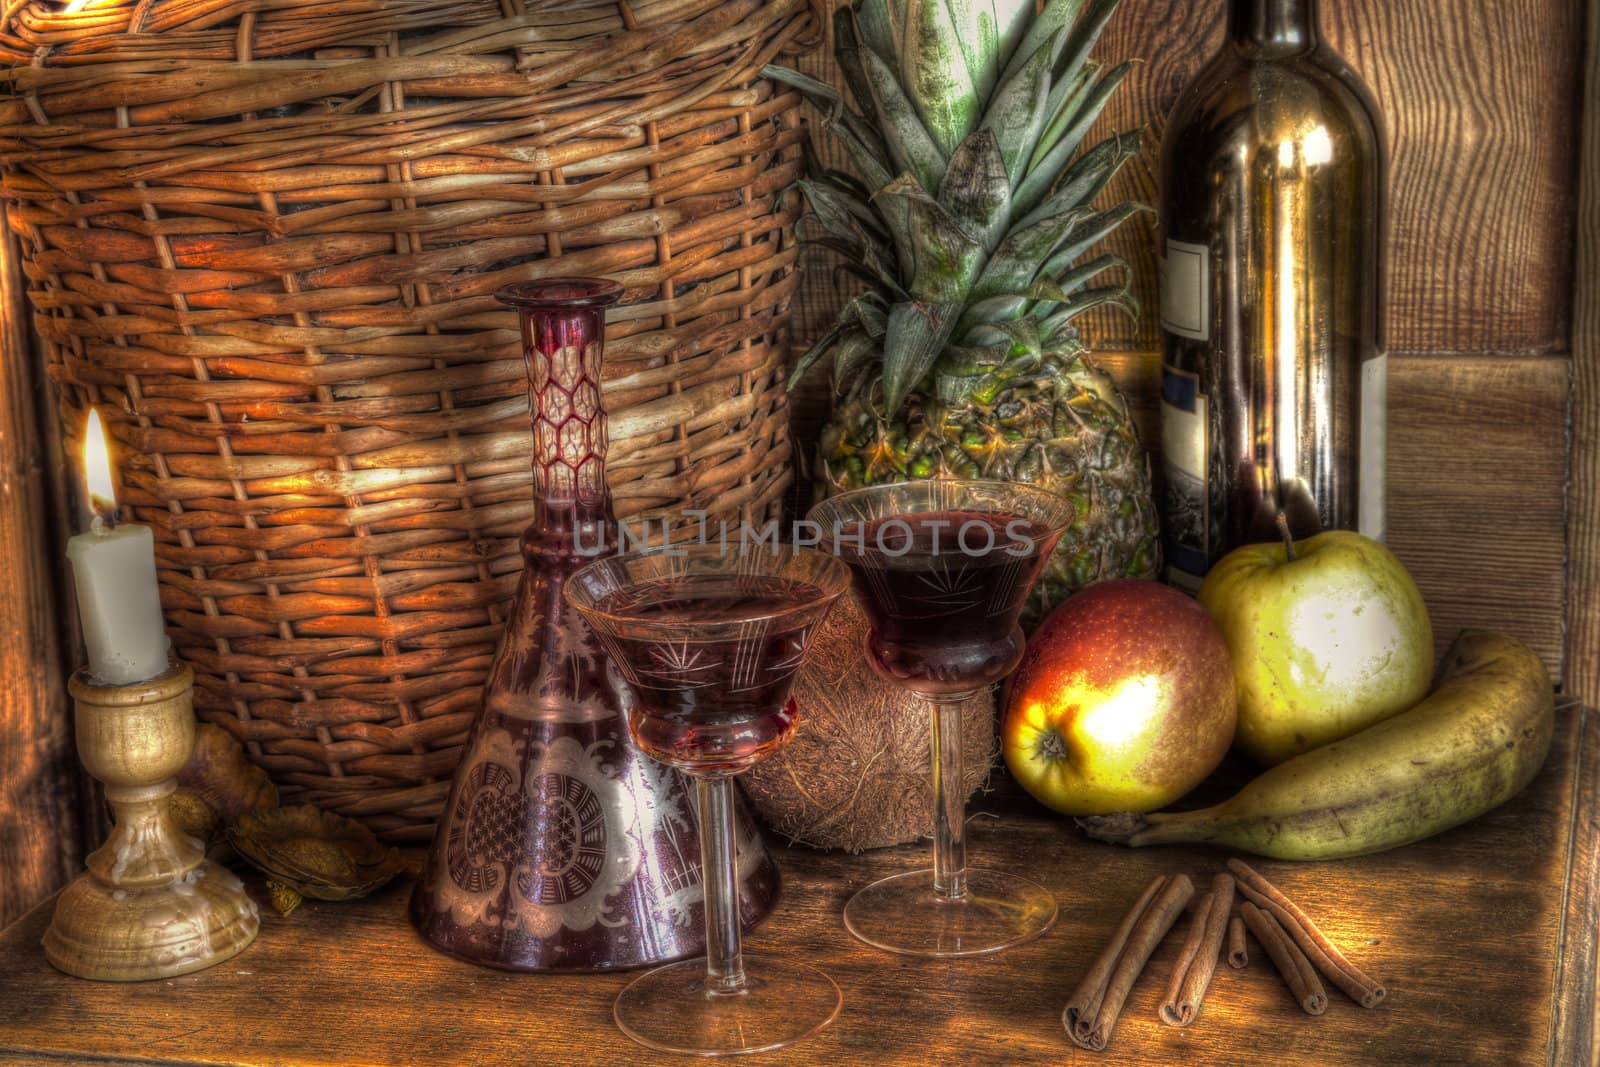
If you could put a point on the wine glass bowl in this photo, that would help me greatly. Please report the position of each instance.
(942, 569)
(709, 642)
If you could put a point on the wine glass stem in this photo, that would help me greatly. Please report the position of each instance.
(949, 804)
(719, 875)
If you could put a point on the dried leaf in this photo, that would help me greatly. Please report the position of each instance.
(223, 778)
(194, 816)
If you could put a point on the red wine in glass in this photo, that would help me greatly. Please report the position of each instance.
(717, 705)
(944, 591)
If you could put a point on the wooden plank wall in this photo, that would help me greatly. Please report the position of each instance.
(40, 846)
(1583, 505)
(1480, 101)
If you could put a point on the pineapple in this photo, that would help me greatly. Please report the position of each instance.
(960, 358)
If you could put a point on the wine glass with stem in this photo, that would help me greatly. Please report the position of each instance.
(943, 568)
(709, 642)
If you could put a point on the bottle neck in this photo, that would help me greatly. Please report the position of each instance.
(1277, 26)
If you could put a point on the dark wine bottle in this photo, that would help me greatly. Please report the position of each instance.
(1273, 378)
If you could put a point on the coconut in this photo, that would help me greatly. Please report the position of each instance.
(856, 774)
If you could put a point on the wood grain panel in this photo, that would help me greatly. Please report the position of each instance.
(1576, 1024)
(1477, 479)
(1464, 929)
(1583, 507)
(1481, 131)
(39, 843)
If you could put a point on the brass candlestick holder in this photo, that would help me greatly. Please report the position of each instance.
(150, 904)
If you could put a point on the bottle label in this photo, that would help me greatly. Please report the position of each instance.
(1187, 500)
(1186, 290)
(1372, 503)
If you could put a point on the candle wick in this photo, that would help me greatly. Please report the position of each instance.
(103, 512)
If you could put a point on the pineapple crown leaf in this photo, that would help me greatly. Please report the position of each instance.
(1077, 278)
(849, 355)
(1012, 19)
(1063, 106)
(861, 142)
(975, 190)
(1090, 232)
(973, 360)
(876, 24)
(858, 330)
(844, 182)
(1036, 186)
(840, 211)
(1023, 340)
(1087, 177)
(1016, 262)
(911, 147)
(1118, 296)
(860, 261)
(978, 36)
(1057, 15)
(974, 204)
(933, 69)
(916, 335)
(1037, 300)
(1086, 33)
(819, 349)
(946, 257)
(847, 50)
(1018, 111)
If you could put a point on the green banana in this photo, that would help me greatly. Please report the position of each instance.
(1468, 747)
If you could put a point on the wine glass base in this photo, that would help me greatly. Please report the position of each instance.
(902, 914)
(670, 1009)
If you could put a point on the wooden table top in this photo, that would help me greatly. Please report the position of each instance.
(1485, 937)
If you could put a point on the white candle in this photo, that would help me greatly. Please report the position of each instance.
(114, 571)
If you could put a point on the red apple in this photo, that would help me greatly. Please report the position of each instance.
(1124, 701)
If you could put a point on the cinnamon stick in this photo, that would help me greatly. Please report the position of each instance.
(1091, 1012)
(1287, 957)
(1238, 954)
(1186, 990)
(1298, 925)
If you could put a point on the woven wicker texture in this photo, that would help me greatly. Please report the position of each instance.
(265, 237)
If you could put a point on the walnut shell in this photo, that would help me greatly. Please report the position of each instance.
(194, 816)
(315, 853)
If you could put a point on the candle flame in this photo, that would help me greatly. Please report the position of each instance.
(97, 469)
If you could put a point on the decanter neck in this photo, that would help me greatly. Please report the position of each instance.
(563, 338)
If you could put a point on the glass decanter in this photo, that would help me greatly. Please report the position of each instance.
(561, 847)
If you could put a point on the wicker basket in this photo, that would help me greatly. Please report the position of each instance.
(265, 238)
